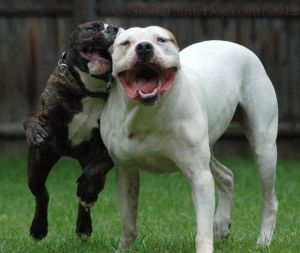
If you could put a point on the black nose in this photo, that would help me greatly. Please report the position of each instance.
(144, 51)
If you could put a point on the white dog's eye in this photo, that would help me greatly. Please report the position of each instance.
(162, 40)
(125, 43)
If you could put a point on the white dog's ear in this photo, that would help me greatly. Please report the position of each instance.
(172, 38)
(120, 31)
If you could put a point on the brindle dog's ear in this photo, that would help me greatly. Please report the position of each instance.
(111, 48)
(72, 37)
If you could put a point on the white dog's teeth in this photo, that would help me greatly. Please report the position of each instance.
(146, 95)
(141, 94)
(159, 83)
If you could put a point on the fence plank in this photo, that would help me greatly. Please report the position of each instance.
(13, 64)
(196, 9)
(35, 33)
(295, 69)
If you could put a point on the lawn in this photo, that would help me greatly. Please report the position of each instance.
(166, 215)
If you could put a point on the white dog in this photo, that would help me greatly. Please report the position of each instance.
(191, 99)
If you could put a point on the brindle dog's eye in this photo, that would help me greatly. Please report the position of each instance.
(91, 29)
(125, 43)
(162, 40)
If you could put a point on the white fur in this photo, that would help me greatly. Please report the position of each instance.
(91, 83)
(179, 131)
(125, 55)
(82, 123)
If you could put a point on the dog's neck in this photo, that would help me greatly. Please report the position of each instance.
(82, 81)
(91, 83)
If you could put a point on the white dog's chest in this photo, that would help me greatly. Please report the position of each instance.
(80, 127)
(149, 152)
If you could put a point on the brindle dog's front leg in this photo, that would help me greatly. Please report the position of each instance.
(90, 184)
(41, 159)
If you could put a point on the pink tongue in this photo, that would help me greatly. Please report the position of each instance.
(94, 57)
(99, 68)
(97, 64)
(145, 86)
(132, 90)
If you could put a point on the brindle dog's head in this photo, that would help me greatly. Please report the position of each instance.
(88, 49)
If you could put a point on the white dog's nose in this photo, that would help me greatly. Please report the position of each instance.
(144, 51)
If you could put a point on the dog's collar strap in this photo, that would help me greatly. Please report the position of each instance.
(63, 71)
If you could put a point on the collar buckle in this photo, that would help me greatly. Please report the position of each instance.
(62, 65)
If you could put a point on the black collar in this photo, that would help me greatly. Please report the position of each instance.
(63, 71)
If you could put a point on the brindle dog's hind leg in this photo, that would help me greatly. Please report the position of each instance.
(90, 184)
(40, 162)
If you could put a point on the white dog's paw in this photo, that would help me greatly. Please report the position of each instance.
(204, 246)
(126, 242)
(221, 229)
(263, 241)
(122, 249)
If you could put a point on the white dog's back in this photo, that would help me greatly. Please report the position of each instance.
(246, 82)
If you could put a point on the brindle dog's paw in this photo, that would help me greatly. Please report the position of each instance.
(39, 136)
(37, 132)
(84, 224)
(84, 231)
(38, 230)
(87, 191)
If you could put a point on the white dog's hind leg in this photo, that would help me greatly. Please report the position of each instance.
(260, 122)
(265, 155)
(128, 187)
(260, 125)
(262, 141)
(224, 179)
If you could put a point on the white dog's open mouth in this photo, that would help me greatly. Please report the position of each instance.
(99, 60)
(146, 82)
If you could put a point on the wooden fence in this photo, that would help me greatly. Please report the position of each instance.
(33, 34)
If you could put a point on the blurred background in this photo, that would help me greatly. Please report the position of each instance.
(34, 33)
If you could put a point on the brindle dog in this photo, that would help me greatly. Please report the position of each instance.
(66, 123)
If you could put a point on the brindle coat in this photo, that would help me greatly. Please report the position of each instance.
(47, 134)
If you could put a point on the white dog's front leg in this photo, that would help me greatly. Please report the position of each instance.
(203, 194)
(128, 187)
(204, 202)
(194, 163)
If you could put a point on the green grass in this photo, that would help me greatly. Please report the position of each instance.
(166, 214)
